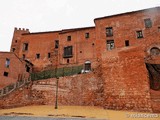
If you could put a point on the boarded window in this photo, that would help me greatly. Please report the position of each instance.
(148, 23)
(68, 52)
(110, 44)
(109, 31)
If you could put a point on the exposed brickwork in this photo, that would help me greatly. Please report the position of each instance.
(15, 69)
(75, 90)
(119, 79)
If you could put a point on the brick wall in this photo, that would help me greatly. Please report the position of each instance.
(125, 89)
(16, 68)
(40, 43)
(83, 89)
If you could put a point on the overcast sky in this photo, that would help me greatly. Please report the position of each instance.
(50, 15)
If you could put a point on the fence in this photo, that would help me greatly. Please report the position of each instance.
(8, 89)
(59, 72)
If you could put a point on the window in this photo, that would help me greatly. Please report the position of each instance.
(155, 51)
(25, 46)
(67, 60)
(158, 29)
(126, 42)
(109, 31)
(139, 34)
(27, 68)
(87, 35)
(148, 23)
(87, 66)
(110, 44)
(49, 55)
(15, 41)
(7, 63)
(23, 56)
(13, 49)
(56, 43)
(68, 52)
(68, 38)
(5, 74)
(37, 56)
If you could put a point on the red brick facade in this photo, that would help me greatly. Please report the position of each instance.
(11, 69)
(118, 48)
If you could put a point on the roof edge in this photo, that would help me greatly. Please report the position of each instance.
(158, 7)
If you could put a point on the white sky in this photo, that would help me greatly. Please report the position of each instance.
(49, 15)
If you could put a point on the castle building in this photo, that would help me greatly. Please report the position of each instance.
(122, 50)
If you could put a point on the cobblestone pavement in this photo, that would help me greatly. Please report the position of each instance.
(39, 118)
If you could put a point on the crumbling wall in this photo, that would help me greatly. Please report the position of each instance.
(126, 80)
(86, 89)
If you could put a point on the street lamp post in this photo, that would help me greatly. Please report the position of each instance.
(57, 79)
(56, 101)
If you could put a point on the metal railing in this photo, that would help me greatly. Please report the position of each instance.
(10, 88)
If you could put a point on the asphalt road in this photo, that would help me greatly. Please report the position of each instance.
(39, 118)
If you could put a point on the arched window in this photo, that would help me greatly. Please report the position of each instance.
(87, 66)
(155, 51)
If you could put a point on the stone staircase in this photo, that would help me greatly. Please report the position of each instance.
(12, 87)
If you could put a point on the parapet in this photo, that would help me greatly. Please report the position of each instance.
(21, 30)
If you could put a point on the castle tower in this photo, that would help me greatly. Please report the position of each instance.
(16, 40)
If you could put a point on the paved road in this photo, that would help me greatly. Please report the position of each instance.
(39, 118)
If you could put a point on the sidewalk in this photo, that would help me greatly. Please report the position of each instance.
(77, 112)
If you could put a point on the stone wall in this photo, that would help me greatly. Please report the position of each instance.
(84, 89)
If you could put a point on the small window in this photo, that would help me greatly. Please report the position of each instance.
(67, 60)
(23, 56)
(27, 68)
(87, 35)
(56, 43)
(13, 49)
(139, 34)
(7, 63)
(109, 31)
(15, 41)
(158, 29)
(87, 66)
(110, 44)
(68, 38)
(25, 46)
(37, 56)
(5, 74)
(148, 23)
(49, 55)
(126, 43)
(68, 52)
